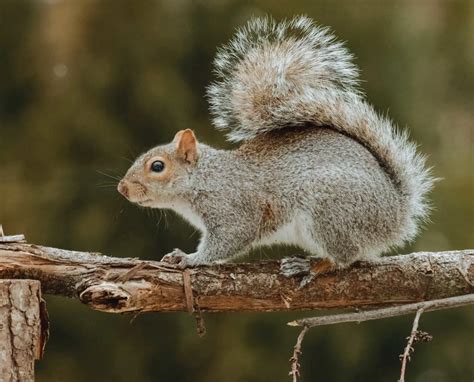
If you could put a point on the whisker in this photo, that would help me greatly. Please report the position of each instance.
(133, 152)
(193, 233)
(116, 217)
(110, 186)
(149, 213)
(114, 177)
(127, 159)
(160, 214)
(107, 184)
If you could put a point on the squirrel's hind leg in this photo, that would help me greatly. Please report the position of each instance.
(344, 252)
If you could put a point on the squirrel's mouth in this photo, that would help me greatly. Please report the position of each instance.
(135, 192)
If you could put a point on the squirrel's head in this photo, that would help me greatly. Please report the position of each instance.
(158, 176)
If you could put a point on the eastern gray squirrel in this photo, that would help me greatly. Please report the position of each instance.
(318, 167)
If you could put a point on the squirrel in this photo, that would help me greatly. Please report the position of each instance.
(317, 166)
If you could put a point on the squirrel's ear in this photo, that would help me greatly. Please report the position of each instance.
(186, 145)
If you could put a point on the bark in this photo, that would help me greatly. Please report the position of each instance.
(22, 334)
(129, 285)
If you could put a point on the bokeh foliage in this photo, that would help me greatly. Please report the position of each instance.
(87, 85)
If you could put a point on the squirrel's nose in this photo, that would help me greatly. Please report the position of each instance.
(122, 188)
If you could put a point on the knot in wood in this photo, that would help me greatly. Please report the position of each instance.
(105, 296)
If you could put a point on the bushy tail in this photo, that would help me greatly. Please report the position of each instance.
(273, 75)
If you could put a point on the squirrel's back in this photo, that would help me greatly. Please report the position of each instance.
(328, 188)
(280, 78)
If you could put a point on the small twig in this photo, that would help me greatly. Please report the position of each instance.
(135, 316)
(294, 360)
(188, 291)
(11, 238)
(405, 357)
(192, 305)
(415, 335)
(427, 306)
(200, 323)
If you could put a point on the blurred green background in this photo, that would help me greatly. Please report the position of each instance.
(85, 86)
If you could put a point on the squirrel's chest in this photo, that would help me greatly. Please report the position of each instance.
(186, 212)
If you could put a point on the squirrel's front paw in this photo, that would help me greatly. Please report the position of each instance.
(177, 258)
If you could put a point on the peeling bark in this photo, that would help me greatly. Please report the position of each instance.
(21, 335)
(129, 285)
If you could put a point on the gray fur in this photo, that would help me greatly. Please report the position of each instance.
(319, 168)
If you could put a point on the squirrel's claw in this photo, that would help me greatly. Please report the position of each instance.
(177, 258)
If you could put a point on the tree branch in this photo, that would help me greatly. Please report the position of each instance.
(130, 285)
(415, 336)
(294, 360)
(409, 348)
(377, 314)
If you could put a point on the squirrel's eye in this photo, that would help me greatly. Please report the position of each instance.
(157, 166)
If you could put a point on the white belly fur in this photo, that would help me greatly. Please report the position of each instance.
(297, 232)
